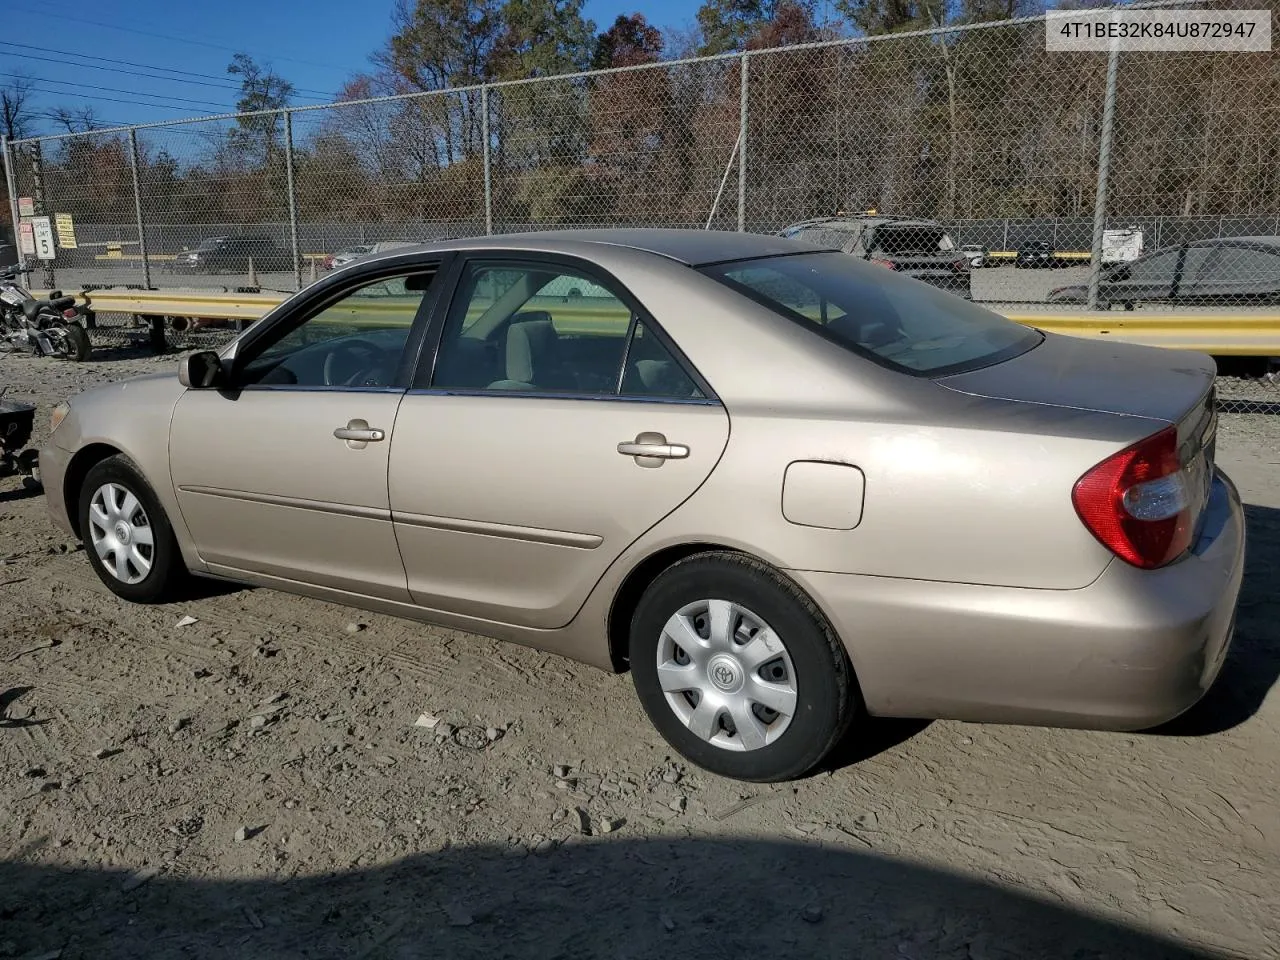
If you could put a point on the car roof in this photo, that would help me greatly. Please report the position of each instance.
(693, 248)
(1238, 242)
(877, 220)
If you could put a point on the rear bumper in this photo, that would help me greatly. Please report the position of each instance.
(1132, 650)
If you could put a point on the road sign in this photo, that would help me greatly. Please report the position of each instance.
(66, 230)
(44, 238)
(26, 239)
(26, 207)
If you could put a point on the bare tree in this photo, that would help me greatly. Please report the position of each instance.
(16, 116)
(75, 119)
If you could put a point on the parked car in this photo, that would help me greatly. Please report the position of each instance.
(1036, 254)
(922, 509)
(351, 254)
(232, 255)
(1224, 271)
(921, 249)
(977, 254)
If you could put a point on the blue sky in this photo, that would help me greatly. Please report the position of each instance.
(316, 44)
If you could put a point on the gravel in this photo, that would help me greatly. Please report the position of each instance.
(1024, 842)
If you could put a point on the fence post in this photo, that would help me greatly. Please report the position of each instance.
(10, 181)
(37, 197)
(742, 146)
(1104, 165)
(137, 210)
(488, 182)
(293, 200)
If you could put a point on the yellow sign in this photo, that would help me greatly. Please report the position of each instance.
(66, 231)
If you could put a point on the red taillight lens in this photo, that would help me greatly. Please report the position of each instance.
(887, 264)
(961, 266)
(1138, 502)
(70, 313)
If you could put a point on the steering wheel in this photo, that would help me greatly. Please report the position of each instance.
(353, 361)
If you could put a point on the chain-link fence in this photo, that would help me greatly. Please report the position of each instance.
(1003, 171)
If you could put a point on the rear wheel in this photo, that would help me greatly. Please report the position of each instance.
(127, 535)
(738, 670)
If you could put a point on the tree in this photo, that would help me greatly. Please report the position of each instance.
(630, 41)
(727, 25)
(438, 43)
(261, 89)
(542, 38)
(16, 118)
(75, 119)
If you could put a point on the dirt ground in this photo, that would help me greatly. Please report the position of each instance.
(253, 785)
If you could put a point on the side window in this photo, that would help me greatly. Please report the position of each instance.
(532, 329)
(653, 372)
(356, 341)
(545, 329)
(1199, 266)
(1244, 265)
(1158, 268)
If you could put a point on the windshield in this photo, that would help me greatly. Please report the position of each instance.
(896, 321)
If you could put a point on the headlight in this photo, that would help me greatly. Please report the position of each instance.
(58, 415)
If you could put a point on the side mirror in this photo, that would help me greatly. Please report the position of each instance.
(201, 371)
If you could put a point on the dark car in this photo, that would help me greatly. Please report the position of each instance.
(921, 249)
(1224, 271)
(232, 255)
(1037, 254)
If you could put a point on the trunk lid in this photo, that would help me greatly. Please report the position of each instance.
(1098, 375)
(1171, 387)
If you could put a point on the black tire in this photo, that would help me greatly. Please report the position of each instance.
(827, 694)
(78, 345)
(168, 573)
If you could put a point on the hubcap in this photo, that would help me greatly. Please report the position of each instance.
(727, 675)
(121, 533)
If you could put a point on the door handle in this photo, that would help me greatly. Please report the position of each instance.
(651, 449)
(357, 433)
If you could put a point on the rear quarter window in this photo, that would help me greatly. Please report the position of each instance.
(893, 320)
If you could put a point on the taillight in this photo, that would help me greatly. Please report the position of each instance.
(887, 264)
(70, 313)
(961, 265)
(1140, 502)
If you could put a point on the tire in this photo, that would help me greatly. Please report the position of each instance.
(118, 478)
(78, 345)
(806, 657)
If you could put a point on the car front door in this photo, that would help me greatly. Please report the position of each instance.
(557, 426)
(1149, 278)
(284, 471)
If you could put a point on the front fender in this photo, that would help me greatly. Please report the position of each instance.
(131, 417)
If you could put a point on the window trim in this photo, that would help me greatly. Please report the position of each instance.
(516, 259)
(305, 306)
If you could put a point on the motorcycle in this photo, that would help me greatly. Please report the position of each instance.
(49, 328)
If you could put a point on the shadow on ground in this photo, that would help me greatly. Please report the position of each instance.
(615, 899)
(1253, 661)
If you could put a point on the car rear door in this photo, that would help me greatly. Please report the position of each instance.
(1230, 274)
(555, 427)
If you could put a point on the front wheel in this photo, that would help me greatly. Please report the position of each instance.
(77, 344)
(738, 670)
(127, 535)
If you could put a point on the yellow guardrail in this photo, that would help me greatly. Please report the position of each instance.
(1226, 334)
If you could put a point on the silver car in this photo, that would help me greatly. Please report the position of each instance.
(784, 487)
